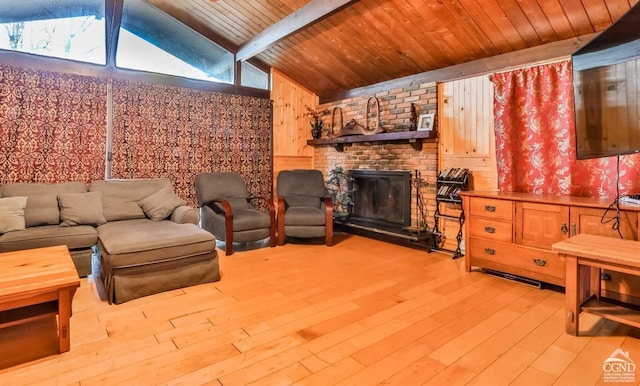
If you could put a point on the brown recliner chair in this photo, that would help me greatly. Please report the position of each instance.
(227, 210)
(304, 209)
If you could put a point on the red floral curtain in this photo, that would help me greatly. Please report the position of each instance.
(164, 131)
(52, 126)
(535, 138)
(598, 177)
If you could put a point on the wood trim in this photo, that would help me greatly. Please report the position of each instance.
(280, 218)
(328, 218)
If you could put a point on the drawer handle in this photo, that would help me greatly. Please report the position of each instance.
(490, 229)
(490, 251)
(540, 262)
(490, 208)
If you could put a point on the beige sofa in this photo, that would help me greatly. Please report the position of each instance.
(147, 239)
(42, 219)
(151, 241)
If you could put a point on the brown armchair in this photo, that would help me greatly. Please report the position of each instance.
(304, 209)
(228, 212)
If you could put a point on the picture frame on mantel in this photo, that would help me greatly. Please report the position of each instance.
(426, 121)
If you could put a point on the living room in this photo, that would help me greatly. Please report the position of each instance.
(363, 311)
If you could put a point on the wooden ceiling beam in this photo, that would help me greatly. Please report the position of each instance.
(305, 16)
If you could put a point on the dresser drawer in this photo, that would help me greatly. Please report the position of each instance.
(491, 208)
(528, 262)
(491, 229)
(490, 250)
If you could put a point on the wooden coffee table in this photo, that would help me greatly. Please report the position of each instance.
(35, 284)
(585, 257)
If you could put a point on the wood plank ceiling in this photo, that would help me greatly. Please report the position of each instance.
(371, 41)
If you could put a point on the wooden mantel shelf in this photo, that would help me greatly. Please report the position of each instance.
(415, 138)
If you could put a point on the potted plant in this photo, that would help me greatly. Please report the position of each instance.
(338, 188)
(315, 121)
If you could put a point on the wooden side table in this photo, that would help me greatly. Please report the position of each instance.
(38, 283)
(585, 256)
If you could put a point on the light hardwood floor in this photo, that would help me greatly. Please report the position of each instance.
(361, 312)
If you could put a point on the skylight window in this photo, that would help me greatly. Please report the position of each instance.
(68, 29)
(150, 40)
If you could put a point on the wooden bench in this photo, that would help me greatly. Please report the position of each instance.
(585, 256)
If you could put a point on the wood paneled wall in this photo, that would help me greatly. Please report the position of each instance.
(465, 127)
(466, 138)
(291, 128)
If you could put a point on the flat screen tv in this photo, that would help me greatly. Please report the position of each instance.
(606, 81)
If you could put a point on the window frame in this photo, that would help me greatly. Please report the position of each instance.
(73, 9)
(113, 15)
(165, 33)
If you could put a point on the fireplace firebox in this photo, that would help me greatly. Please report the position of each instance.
(381, 199)
(381, 207)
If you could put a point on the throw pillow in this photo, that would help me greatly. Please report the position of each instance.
(160, 204)
(81, 209)
(12, 213)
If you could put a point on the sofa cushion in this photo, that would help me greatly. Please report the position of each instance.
(82, 236)
(81, 209)
(120, 197)
(42, 202)
(161, 204)
(141, 241)
(12, 214)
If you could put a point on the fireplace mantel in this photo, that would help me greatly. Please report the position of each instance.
(415, 138)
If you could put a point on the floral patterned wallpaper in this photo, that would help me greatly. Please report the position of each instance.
(165, 131)
(53, 127)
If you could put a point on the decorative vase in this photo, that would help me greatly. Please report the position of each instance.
(316, 130)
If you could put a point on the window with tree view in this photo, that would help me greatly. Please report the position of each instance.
(72, 29)
(151, 40)
(148, 39)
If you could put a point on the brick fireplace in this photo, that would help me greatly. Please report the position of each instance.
(421, 165)
(395, 113)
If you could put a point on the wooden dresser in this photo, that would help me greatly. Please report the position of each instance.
(513, 233)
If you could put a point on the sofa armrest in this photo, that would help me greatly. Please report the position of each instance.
(185, 214)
